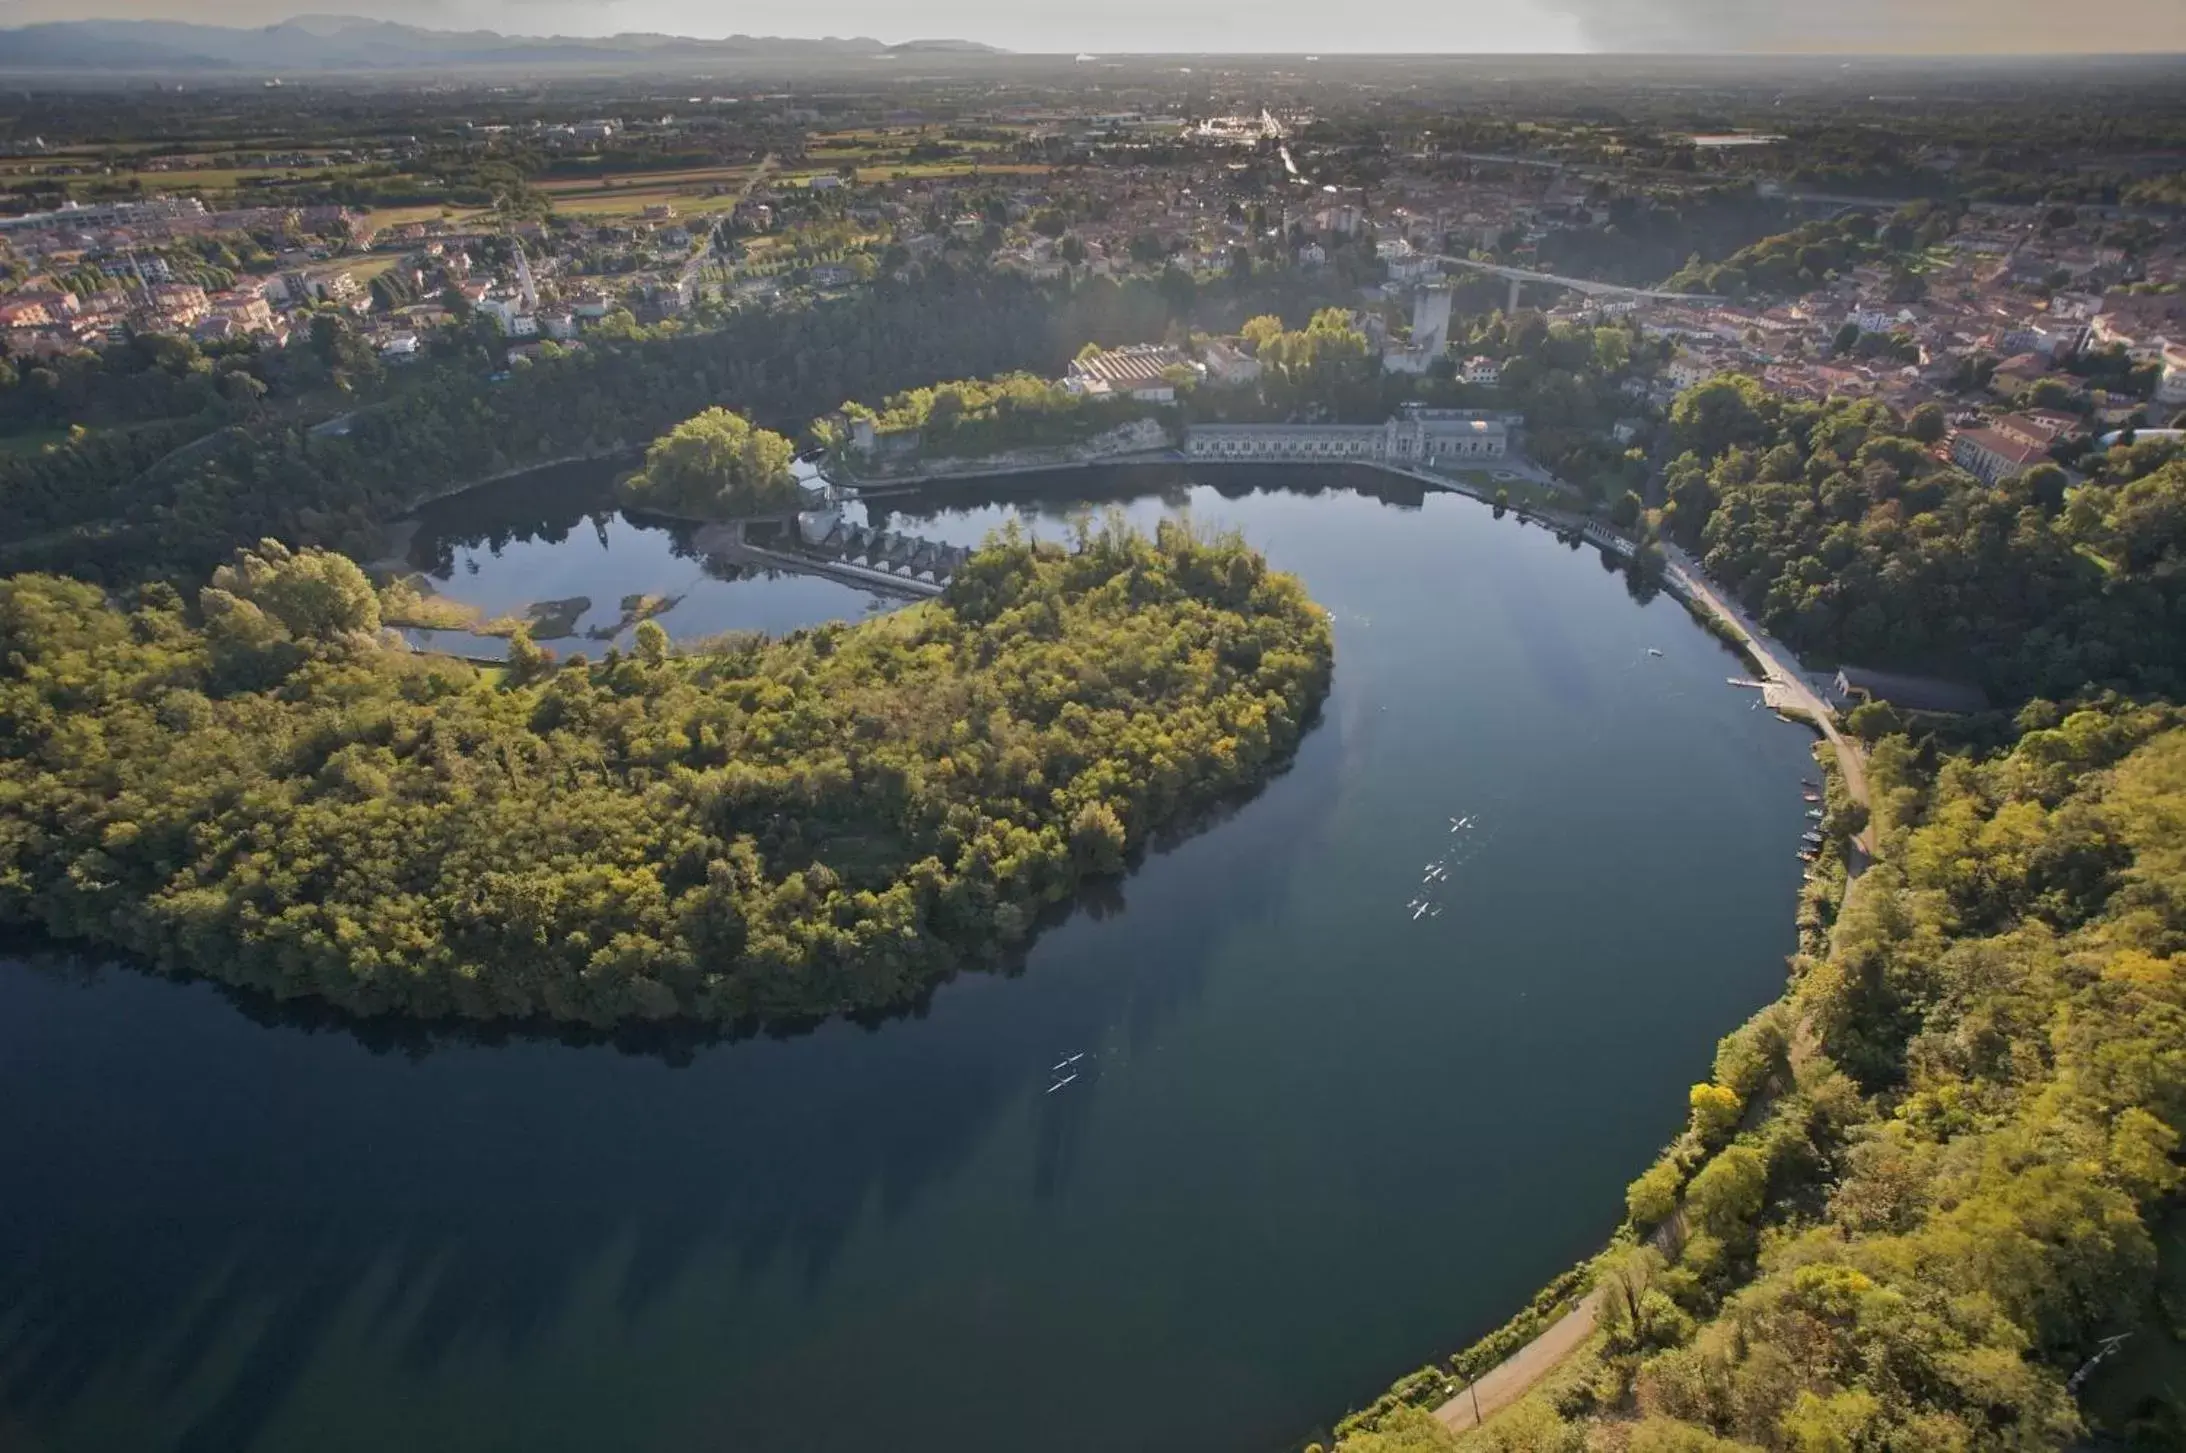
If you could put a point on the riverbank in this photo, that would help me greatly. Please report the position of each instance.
(1141, 439)
(399, 533)
(1565, 1316)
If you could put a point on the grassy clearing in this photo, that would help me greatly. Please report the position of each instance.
(425, 212)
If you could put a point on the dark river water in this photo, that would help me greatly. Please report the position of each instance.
(1319, 1133)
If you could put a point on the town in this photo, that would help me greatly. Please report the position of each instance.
(2042, 329)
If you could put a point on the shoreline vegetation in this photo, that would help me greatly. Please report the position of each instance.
(715, 465)
(265, 792)
(1922, 1189)
(1926, 1192)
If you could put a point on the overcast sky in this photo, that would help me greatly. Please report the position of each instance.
(1935, 26)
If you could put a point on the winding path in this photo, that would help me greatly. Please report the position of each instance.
(1784, 676)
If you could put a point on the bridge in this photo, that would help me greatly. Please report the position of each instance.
(1592, 287)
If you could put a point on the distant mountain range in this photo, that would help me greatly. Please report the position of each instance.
(348, 43)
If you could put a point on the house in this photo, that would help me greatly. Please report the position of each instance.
(1141, 371)
(1909, 693)
(2144, 324)
(25, 313)
(2039, 427)
(1687, 370)
(176, 306)
(1990, 454)
(1229, 364)
(2171, 387)
(510, 313)
(1482, 370)
(2017, 374)
(400, 348)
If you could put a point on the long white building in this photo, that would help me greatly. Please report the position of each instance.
(1415, 437)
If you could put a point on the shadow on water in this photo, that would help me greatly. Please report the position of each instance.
(218, 1195)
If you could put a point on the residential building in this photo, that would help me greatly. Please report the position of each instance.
(1991, 455)
(1688, 369)
(1227, 363)
(2017, 373)
(2171, 387)
(510, 313)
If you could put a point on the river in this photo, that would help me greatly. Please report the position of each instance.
(1318, 1132)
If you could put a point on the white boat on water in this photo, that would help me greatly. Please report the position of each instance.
(1051, 1089)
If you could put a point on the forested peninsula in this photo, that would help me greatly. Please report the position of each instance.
(257, 786)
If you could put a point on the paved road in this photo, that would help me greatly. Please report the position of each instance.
(1784, 675)
(1515, 1376)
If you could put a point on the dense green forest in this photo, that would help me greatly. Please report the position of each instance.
(1801, 259)
(1846, 535)
(258, 789)
(715, 465)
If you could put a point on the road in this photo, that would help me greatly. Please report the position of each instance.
(1514, 1377)
(704, 247)
(1784, 675)
(1517, 1374)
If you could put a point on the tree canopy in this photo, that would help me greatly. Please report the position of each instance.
(1848, 537)
(715, 465)
(263, 791)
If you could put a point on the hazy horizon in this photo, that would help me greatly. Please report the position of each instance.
(1876, 27)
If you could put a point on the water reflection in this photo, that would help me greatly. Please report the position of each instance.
(557, 536)
(1306, 1113)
